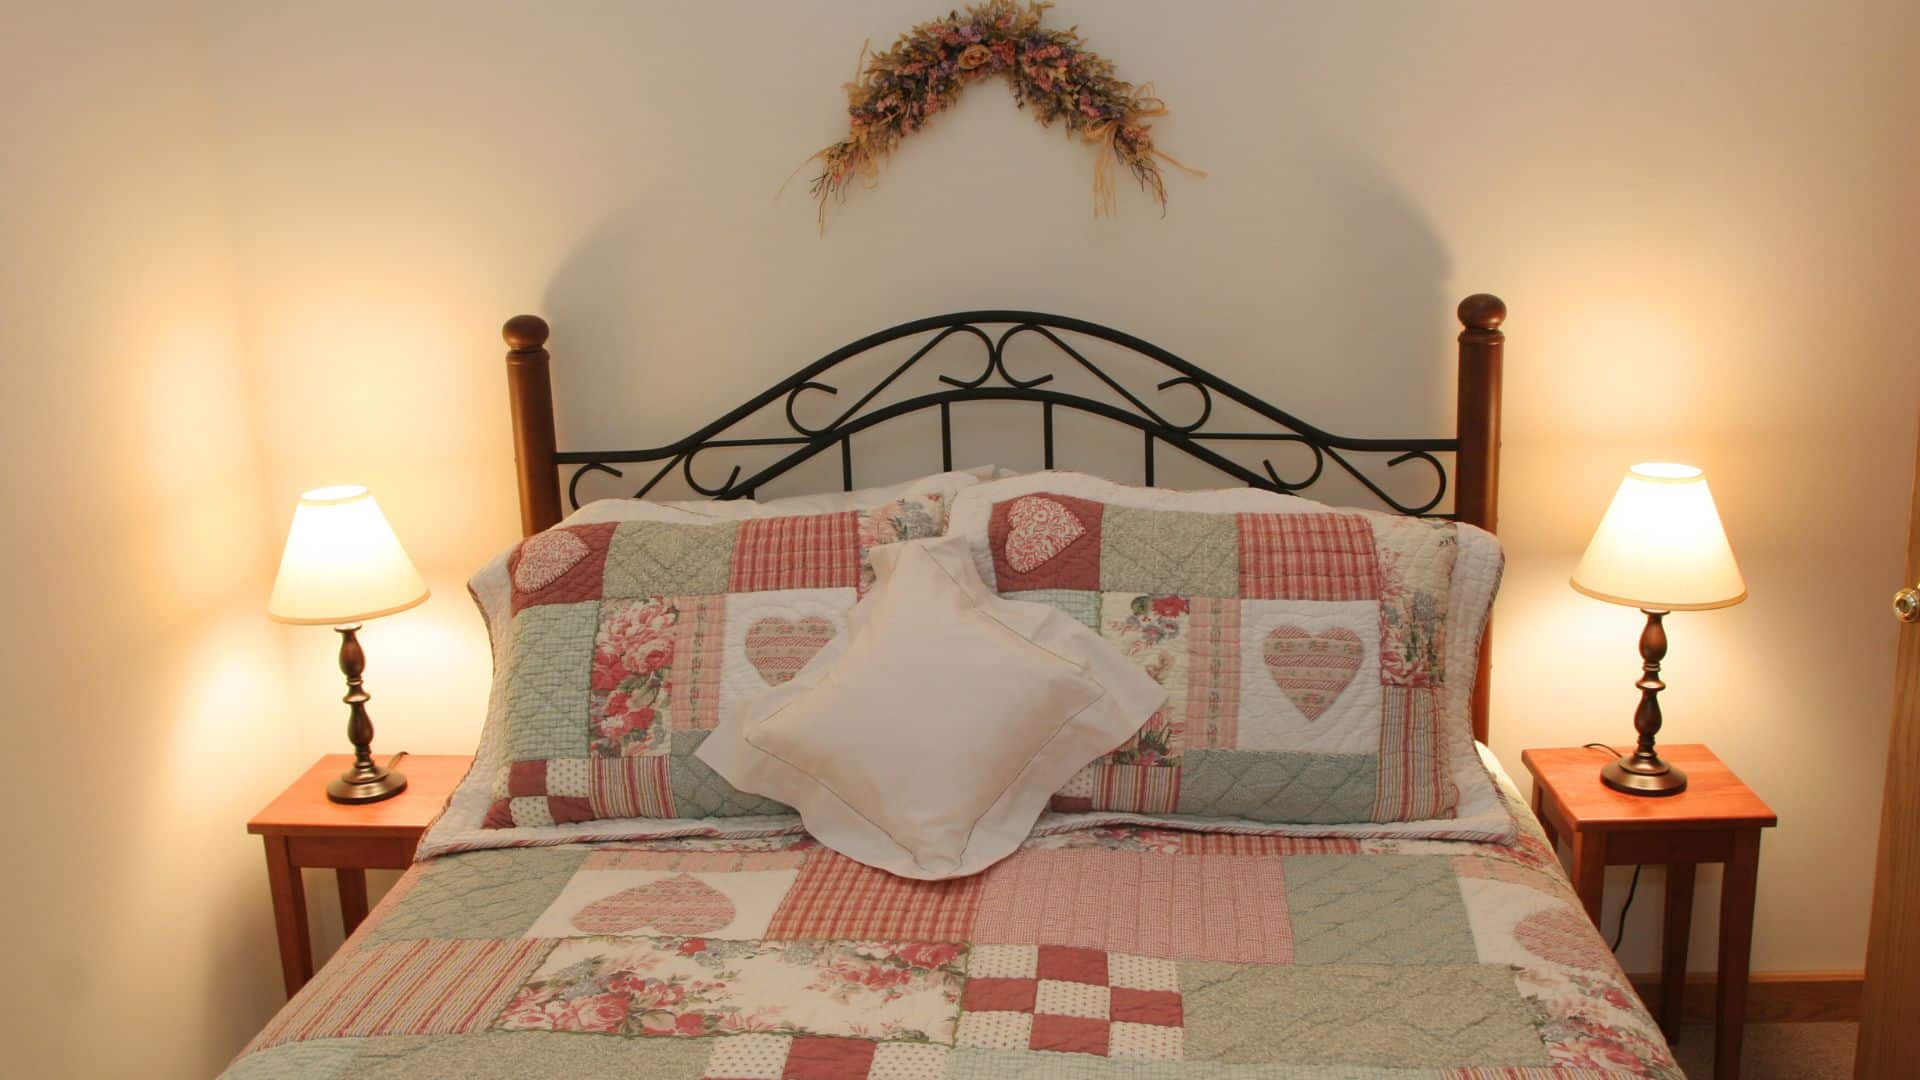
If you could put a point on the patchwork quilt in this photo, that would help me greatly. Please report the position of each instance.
(1123, 951)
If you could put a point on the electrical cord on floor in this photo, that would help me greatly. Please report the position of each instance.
(1620, 930)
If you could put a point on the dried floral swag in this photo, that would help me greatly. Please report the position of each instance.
(897, 92)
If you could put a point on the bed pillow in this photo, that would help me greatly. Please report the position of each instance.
(927, 738)
(893, 512)
(1308, 652)
(937, 490)
(627, 641)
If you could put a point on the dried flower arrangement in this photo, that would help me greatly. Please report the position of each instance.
(900, 90)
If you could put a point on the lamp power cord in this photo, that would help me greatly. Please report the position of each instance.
(1620, 929)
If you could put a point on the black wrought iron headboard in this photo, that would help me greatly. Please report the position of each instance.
(1474, 446)
(996, 382)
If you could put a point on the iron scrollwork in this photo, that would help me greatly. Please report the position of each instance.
(995, 382)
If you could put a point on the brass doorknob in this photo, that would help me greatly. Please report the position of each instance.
(1906, 605)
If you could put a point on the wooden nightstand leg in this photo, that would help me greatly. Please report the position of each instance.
(1736, 942)
(1540, 813)
(1675, 928)
(289, 914)
(1590, 870)
(353, 897)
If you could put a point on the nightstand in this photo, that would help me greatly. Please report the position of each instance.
(1716, 819)
(303, 828)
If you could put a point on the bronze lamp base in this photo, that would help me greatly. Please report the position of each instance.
(1643, 776)
(358, 785)
(1643, 772)
(365, 782)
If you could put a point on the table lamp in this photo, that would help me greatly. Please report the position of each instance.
(1659, 548)
(343, 565)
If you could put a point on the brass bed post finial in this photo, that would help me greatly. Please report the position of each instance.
(530, 393)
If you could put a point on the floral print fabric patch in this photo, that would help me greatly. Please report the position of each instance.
(700, 987)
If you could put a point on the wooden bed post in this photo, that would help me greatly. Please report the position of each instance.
(1476, 470)
(530, 392)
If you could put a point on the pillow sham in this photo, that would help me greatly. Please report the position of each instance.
(936, 490)
(627, 641)
(1308, 652)
(915, 508)
(927, 738)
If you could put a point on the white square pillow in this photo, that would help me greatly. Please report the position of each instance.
(927, 738)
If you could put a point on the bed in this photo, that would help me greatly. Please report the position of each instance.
(1108, 945)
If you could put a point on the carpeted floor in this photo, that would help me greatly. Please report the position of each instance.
(1776, 1051)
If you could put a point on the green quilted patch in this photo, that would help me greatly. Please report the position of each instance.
(515, 1055)
(548, 669)
(1358, 1014)
(1383, 909)
(699, 792)
(651, 558)
(317, 1059)
(1278, 785)
(1169, 551)
(976, 1063)
(480, 894)
(1084, 606)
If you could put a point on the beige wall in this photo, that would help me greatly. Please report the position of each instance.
(143, 687)
(1700, 216)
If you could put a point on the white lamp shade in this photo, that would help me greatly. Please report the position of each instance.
(342, 563)
(1661, 546)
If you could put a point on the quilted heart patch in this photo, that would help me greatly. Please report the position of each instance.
(778, 648)
(677, 906)
(546, 557)
(1312, 669)
(1039, 529)
(1561, 937)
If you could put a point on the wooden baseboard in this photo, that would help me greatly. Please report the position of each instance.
(1773, 997)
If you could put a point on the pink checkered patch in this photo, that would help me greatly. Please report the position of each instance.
(817, 551)
(1076, 1001)
(1307, 557)
(820, 1057)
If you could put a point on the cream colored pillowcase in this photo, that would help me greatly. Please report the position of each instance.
(927, 738)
